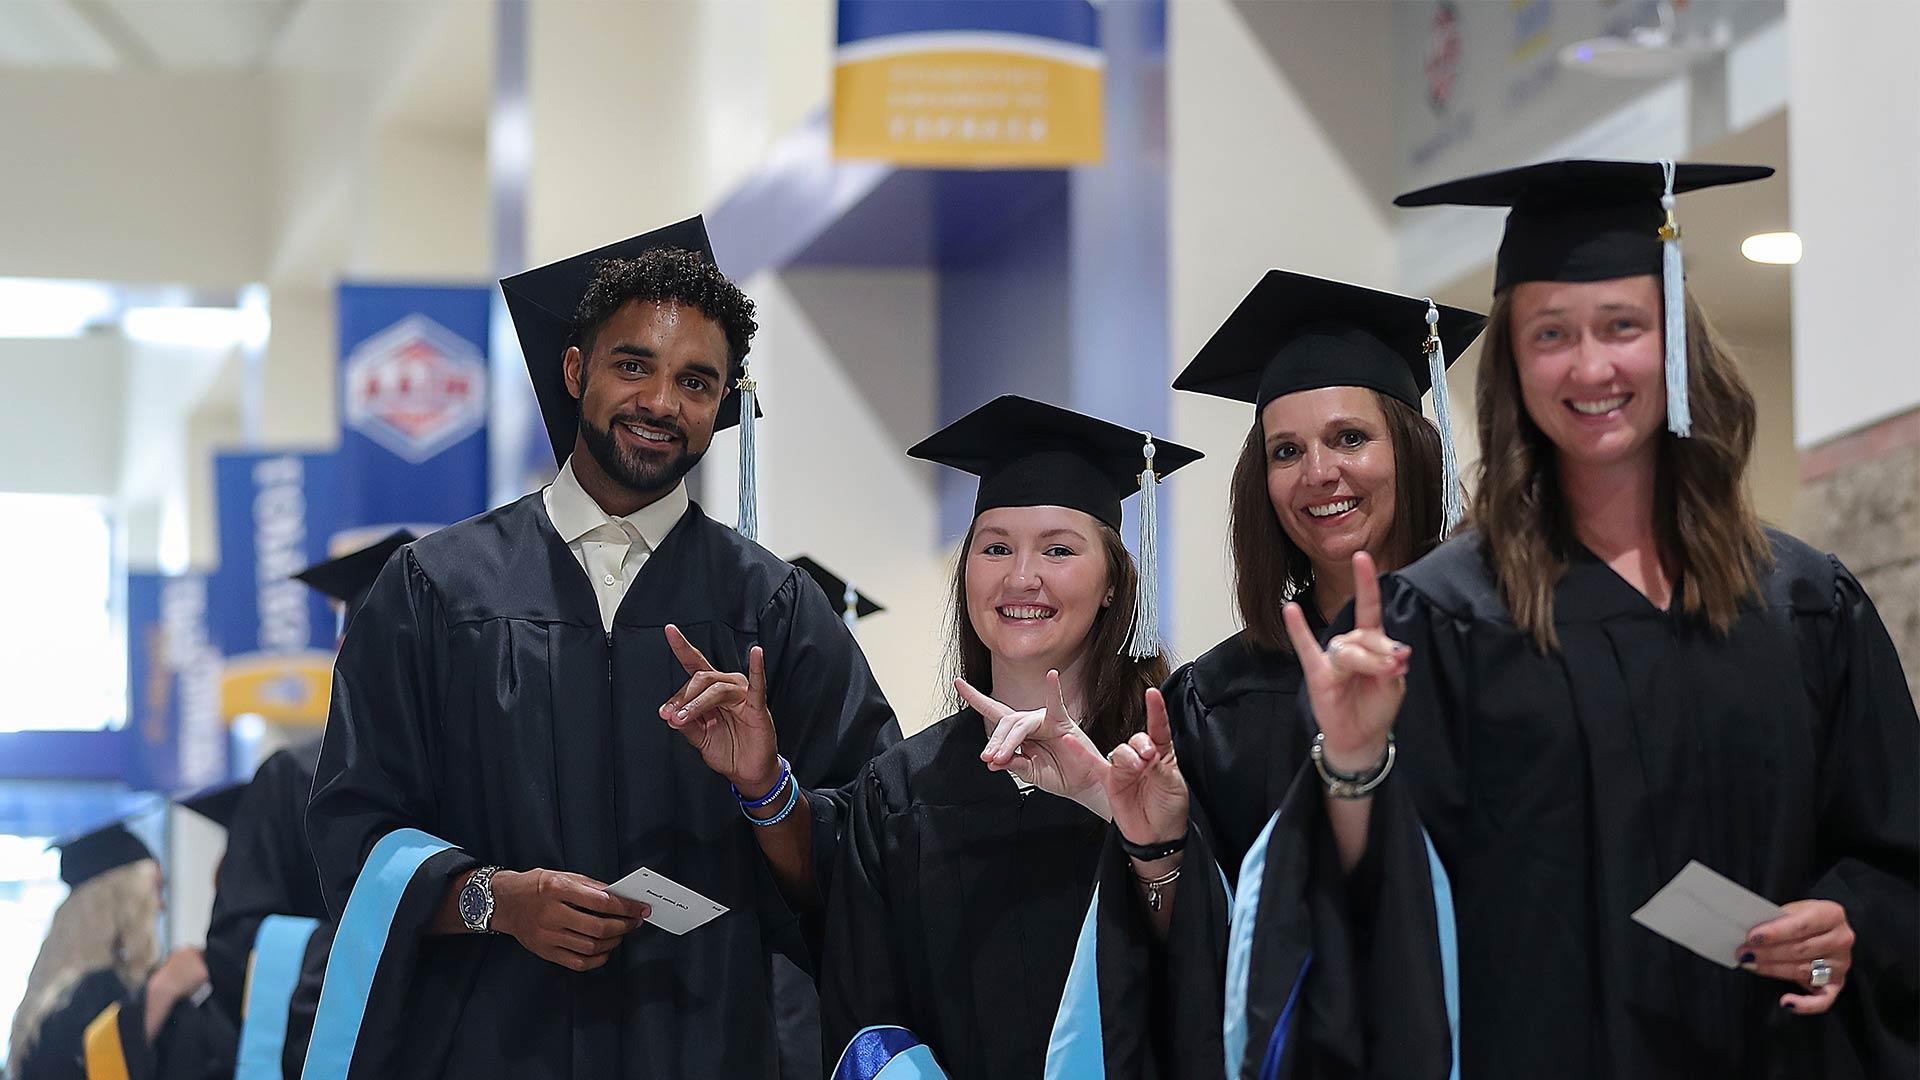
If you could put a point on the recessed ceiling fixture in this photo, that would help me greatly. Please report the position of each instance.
(1772, 248)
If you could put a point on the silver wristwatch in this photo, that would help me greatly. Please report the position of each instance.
(476, 900)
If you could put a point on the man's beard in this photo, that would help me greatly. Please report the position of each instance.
(638, 475)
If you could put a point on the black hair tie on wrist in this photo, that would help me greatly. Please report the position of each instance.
(1152, 852)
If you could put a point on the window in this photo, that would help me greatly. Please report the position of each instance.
(63, 663)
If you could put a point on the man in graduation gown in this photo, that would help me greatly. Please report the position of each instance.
(495, 754)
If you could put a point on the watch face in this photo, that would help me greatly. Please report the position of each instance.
(473, 903)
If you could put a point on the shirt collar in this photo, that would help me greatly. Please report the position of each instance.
(575, 514)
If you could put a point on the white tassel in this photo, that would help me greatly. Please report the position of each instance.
(1144, 639)
(1451, 495)
(1673, 295)
(749, 515)
(850, 606)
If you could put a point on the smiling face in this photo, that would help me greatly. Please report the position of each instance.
(1591, 366)
(649, 392)
(1036, 577)
(1330, 472)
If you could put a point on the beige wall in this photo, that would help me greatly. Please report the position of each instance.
(1255, 183)
(133, 177)
(1855, 151)
(846, 359)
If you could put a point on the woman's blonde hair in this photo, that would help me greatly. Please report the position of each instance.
(109, 921)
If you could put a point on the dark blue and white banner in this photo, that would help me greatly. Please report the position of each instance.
(173, 685)
(413, 408)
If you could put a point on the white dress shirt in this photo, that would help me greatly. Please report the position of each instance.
(610, 549)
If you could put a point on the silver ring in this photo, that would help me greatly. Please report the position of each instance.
(1335, 646)
(1820, 974)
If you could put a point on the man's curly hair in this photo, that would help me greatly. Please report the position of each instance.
(667, 275)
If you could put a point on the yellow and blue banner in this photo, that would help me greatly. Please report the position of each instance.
(969, 83)
(276, 513)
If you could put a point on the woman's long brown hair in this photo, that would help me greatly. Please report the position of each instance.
(1709, 536)
(1269, 569)
(1114, 683)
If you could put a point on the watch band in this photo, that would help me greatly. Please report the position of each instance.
(482, 883)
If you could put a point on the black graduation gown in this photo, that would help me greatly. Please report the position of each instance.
(954, 905)
(1241, 732)
(267, 870)
(478, 699)
(195, 1042)
(1562, 790)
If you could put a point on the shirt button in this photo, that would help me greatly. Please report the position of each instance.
(608, 579)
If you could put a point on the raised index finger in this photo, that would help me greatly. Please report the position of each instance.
(1158, 729)
(1366, 593)
(684, 651)
(990, 710)
(1313, 662)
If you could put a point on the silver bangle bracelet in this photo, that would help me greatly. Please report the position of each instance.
(1351, 785)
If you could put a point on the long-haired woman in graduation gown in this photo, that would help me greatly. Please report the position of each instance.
(1617, 671)
(1338, 459)
(949, 921)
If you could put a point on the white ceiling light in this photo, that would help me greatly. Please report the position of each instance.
(1772, 248)
(196, 327)
(39, 308)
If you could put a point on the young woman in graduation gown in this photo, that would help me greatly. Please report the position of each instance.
(949, 914)
(97, 1003)
(1616, 671)
(1339, 459)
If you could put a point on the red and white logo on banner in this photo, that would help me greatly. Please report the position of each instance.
(416, 388)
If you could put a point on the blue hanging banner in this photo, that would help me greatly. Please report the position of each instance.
(413, 409)
(276, 513)
(179, 739)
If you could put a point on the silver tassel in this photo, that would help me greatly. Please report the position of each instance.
(1452, 498)
(749, 515)
(1673, 296)
(850, 606)
(1143, 642)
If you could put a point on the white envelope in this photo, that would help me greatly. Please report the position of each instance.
(676, 908)
(1707, 913)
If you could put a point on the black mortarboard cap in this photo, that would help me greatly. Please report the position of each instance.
(848, 601)
(1577, 221)
(348, 578)
(1030, 453)
(218, 802)
(1580, 220)
(1299, 332)
(93, 853)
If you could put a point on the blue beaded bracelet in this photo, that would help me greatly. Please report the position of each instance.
(772, 793)
(793, 799)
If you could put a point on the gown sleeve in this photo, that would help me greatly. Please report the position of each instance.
(863, 988)
(829, 712)
(1136, 1007)
(1868, 820)
(370, 821)
(267, 870)
(1355, 974)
